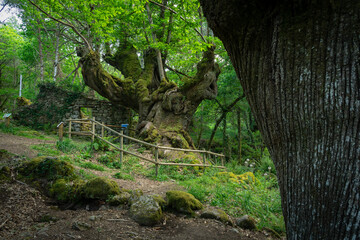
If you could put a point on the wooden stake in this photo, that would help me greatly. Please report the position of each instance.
(93, 130)
(102, 129)
(61, 132)
(121, 146)
(7, 121)
(70, 128)
(156, 160)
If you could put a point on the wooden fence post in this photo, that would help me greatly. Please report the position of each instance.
(121, 146)
(156, 160)
(93, 130)
(7, 121)
(204, 159)
(102, 129)
(70, 128)
(222, 160)
(61, 131)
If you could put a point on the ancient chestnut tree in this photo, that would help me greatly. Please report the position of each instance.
(299, 65)
(139, 39)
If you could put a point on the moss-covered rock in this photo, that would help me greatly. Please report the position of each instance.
(160, 200)
(246, 222)
(65, 191)
(5, 174)
(48, 168)
(100, 188)
(215, 213)
(119, 199)
(146, 211)
(183, 202)
(135, 195)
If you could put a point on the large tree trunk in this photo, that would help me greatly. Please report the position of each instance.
(298, 62)
(165, 110)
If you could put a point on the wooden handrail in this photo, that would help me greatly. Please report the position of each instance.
(156, 147)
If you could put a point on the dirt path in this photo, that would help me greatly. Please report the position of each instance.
(20, 145)
(26, 214)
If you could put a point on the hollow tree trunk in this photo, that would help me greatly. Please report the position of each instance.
(165, 110)
(298, 62)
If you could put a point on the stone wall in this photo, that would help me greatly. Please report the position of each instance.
(54, 105)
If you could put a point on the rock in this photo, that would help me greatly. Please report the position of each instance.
(135, 195)
(66, 191)
(146, 211)
(80, 226)
(246, 222)
(215, 213)
(92, 218)
(100, 188)
(49, 168)
(160, 200)
(183, 202)
(119, 199)
(47, 218)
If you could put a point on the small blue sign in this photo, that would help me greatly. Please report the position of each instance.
(6, 115)
(124, 125)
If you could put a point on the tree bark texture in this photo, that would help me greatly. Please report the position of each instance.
(299, 62)
(165, 109)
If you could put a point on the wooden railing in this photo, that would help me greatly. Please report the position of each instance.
(206, 161)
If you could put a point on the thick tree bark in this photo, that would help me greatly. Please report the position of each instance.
(165, 110)
(298, 62)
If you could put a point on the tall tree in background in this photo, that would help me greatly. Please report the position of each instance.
(156, 32)
(298, 62)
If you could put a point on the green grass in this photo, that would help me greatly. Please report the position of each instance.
(261, 200)
(124, 176)
(24, 132)
(90, 165)
(46, 150)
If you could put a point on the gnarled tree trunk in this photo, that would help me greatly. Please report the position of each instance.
(165, 109)
(298, 62)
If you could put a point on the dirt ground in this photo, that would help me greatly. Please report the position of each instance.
(27, 214)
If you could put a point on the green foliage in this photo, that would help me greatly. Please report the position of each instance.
(91, 165)
(100, 145)
(110, 159)
(125, 176)
(66, 145)
(261, 200)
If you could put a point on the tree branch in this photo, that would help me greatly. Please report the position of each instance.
(177, 72)
(225, 111)
(181, 17)
(4, 6)
(158, 53)
(64, 23)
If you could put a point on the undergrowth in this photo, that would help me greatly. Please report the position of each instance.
(259, 198)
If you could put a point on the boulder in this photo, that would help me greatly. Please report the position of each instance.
(246, 222)
(183, 202)
(215, 213)
(146, 211)
(160, 200)
(100, 188)
(120, 199)
(135, 195)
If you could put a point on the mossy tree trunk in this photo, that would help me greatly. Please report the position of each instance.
(298, 63)
(165, 109)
